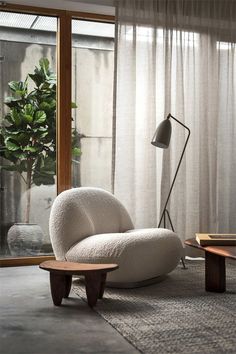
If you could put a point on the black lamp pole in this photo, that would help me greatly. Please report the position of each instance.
(162, 139)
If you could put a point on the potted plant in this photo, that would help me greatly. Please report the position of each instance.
(28, 135)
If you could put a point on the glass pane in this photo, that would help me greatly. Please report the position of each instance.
(27, 135)
(92, 92)
(91, 28)
(45, 23)
(10, 19)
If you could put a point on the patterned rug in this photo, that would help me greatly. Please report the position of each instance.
(176, 315)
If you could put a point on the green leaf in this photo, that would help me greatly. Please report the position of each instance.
(28, 118)
(52, 80)
(74, 105)
(43, 135)
(15, 85)
(48, 104)
(10, 167)
(11, 146)
(10, 155)
(21, 155)
(37, 78)
(44, 64)
(18, 87)
(76, 152)
(28, 113)
(12, 102)
(40, 117)
(23, 138)
(30, 148)
(28, 109)
(19, 139)
(40, 129)
(44, 106)
(16, 119)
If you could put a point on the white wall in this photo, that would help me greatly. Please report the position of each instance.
(105, 7)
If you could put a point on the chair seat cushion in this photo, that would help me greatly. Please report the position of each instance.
(141, 254)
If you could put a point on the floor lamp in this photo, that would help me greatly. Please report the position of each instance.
(161, 139)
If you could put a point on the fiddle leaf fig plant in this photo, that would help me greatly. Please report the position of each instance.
(28, 135)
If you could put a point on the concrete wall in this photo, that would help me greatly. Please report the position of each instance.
(93, 91)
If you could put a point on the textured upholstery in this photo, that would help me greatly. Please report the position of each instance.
(90, 225)
(141, 254)
(81, 212)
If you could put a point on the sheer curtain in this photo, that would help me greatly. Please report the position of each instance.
(177, 57)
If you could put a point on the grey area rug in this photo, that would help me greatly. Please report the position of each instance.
(176, 315)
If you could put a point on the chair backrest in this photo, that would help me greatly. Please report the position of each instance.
(81, 212)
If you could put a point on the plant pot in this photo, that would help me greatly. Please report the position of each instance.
(25, 239)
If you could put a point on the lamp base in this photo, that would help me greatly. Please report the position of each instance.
(183, 263)
(166, 212)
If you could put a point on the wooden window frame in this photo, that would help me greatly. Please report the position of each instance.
(64, 87)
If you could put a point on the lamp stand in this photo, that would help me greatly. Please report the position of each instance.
(165, 212)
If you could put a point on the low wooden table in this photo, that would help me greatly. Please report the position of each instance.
(214, 264)
(61, 278)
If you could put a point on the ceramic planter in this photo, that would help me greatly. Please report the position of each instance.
(25, 239)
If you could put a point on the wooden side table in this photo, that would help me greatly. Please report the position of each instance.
(215, 279)
(61, 278)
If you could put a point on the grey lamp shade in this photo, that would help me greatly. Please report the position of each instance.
(162, 134)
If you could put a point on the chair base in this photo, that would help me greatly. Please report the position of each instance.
(138, 284)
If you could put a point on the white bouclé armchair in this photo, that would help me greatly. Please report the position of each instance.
(89, 225)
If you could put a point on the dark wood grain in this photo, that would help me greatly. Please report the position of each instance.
(215, 273)
(56, 12)
(63, 103)
(74, 268)
(102, 285)
(68, 282)
(61, 277)
(215, 277)
(23, 261)
(57, 283)
(225, 251)
(92, 285)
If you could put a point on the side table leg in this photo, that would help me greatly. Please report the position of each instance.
(92, 284)
(102, 285)
(57, 283)
(214, 273)
(68, 281)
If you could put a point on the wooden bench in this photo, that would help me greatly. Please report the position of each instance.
(61, 278)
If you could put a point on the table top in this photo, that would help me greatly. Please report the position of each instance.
(76, 268)
(225, 251)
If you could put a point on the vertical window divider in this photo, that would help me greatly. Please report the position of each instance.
(64, 48)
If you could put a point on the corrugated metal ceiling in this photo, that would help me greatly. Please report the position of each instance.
(48, 23)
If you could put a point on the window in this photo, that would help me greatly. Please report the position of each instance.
(29, 42)
(28, 132)
(92, 91)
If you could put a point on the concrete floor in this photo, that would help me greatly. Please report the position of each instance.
(31, 324)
